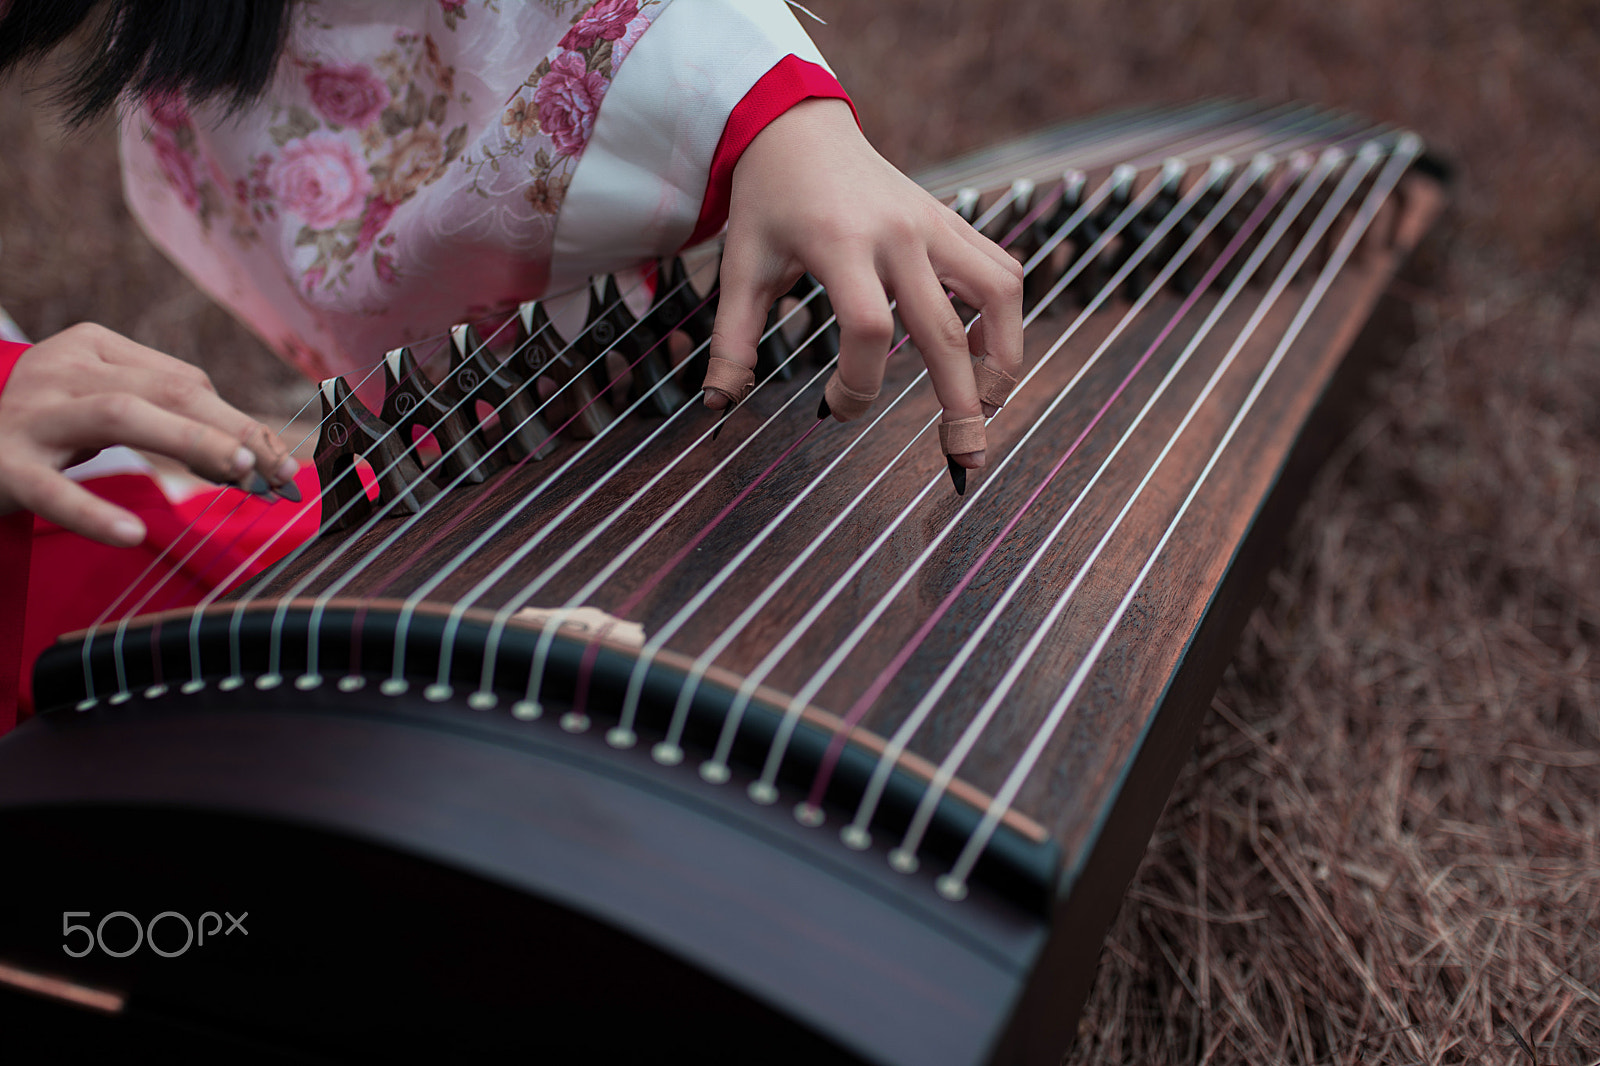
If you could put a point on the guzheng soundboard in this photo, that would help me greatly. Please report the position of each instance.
(595, 724)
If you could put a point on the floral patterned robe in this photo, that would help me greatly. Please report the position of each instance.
(416, 163)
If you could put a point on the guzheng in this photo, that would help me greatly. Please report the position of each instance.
(594, 721)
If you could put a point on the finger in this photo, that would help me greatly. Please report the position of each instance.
(122, 418)
(977, 241)
(184, 390)
(866, 329)
(938, 333)
(741, 318)
(996, 291)
(57, 498)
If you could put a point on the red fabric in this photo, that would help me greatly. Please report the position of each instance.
(74, 579)
(791, 80)
(16, 539)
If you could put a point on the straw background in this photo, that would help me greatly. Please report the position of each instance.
(1386, 848)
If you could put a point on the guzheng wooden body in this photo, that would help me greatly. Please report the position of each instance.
(617, 728)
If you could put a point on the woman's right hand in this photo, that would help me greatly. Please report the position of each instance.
(87, 388)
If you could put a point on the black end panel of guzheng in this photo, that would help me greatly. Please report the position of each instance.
(423, 875)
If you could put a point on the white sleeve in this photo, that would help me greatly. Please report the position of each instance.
(637, 191)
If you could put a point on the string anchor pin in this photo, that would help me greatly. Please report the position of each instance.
(231, 682)
(119, 698)
(307, 682)
(482, 700)
(155, 692)
(437, 692)
(88, 704)
(951, 888)
(268, 682)
(352, 683)
(903, 861)
(763, 793)
(394, 686)
(619, 737)
(191, 686)
(808, 815)
(855, 838)
(573, 722)
(667, 754)
(714, 773)
(526, 710)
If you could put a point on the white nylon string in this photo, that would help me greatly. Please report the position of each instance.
(1409, 146)
(716, 768)
(310, 678)
(235, 678)
(529, 707)
(763, 791)
(123, 692)
(904, 857)
(855, 834)
(441, 689)
(765, 788)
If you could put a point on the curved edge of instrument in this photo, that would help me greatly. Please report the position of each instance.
(1021, 863)
(562, 893)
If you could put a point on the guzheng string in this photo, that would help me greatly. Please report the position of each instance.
(1253, 174)
(716, 768)
(764, 789)
(904, 857)
(310, 678)
(173, 570)
(224, 583)
(623, 733)
(1407, 148)
(441, 689)
(952, 884)
(528, 707)
(394, 537)
(196, 682)
(855, 833)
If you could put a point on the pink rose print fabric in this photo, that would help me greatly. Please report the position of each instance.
(402, 141)
(321, 179)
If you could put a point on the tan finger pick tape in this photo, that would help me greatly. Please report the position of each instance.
(994, 386)
(733, 380)
(962, 436)
(846, 403)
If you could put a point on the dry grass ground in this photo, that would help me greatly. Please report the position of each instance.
(1387, 847)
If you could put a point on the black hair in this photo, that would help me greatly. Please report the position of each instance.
(202, 49)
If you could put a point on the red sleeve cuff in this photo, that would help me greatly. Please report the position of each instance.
(16, 551)
(791, 80)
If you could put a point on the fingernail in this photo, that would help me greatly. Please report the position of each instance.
(823, 410)
(287, 470)
(289, 491)
(256, 485)
(242, 460)
(713, 399)
(958, 475)
(127, 530)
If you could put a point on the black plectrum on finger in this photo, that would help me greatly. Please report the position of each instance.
(288, 491)
(823, 410)
(958, 475)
